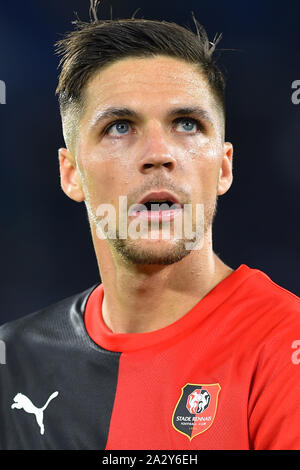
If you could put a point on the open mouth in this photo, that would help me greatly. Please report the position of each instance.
(159, 205)
(158, 210)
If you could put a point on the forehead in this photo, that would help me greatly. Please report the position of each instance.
(147, 84)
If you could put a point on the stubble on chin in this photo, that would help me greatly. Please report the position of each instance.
(132, 252)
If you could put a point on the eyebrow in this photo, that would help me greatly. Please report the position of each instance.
(122, 112)
(111, 113)
(192, 110)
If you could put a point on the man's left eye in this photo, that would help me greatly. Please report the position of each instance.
(188, 125)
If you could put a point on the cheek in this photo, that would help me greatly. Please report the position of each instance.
(205, 160)
(206, 155)
(102, 178)
(204, 151)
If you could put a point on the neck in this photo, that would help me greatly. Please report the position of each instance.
(140, 299)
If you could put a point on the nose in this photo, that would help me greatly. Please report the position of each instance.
(156, 151)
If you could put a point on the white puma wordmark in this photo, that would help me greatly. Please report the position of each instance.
(21, 401)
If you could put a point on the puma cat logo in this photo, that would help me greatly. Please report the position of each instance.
(21, 401)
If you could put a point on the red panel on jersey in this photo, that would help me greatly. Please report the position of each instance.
(214, 379)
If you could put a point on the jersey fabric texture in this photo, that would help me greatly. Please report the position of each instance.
(224, 376)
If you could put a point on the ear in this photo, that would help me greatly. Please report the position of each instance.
(70, 180)
(225, 172)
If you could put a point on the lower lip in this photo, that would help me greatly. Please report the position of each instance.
(157, 216)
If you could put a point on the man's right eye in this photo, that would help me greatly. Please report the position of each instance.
(118, 128)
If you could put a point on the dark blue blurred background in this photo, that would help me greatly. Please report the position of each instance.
(46, 247)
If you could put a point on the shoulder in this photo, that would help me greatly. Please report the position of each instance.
(264, 295)
(263, 282)
(273, 398)
(265, 315)
(48, 321)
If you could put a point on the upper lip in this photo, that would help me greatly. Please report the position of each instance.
(160, 196)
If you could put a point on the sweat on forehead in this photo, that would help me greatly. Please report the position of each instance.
(140, 88)
(94, 45)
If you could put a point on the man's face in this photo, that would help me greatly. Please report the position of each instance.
(152, 124)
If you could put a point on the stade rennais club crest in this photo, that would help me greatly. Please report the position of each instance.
(196, 409)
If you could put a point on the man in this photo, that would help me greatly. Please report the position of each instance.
(173, 349)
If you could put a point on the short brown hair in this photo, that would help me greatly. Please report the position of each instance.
(98, 43)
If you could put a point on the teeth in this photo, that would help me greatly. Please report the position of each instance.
(159, 205)
(155, 205)
(158, 202)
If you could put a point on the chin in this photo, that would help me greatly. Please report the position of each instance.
(146, 252)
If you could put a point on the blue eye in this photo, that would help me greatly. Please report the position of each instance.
(119, 128)
(188, 125)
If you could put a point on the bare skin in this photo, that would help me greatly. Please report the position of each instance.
(151, 150)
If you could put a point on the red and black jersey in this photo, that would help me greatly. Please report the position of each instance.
(224, 376)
